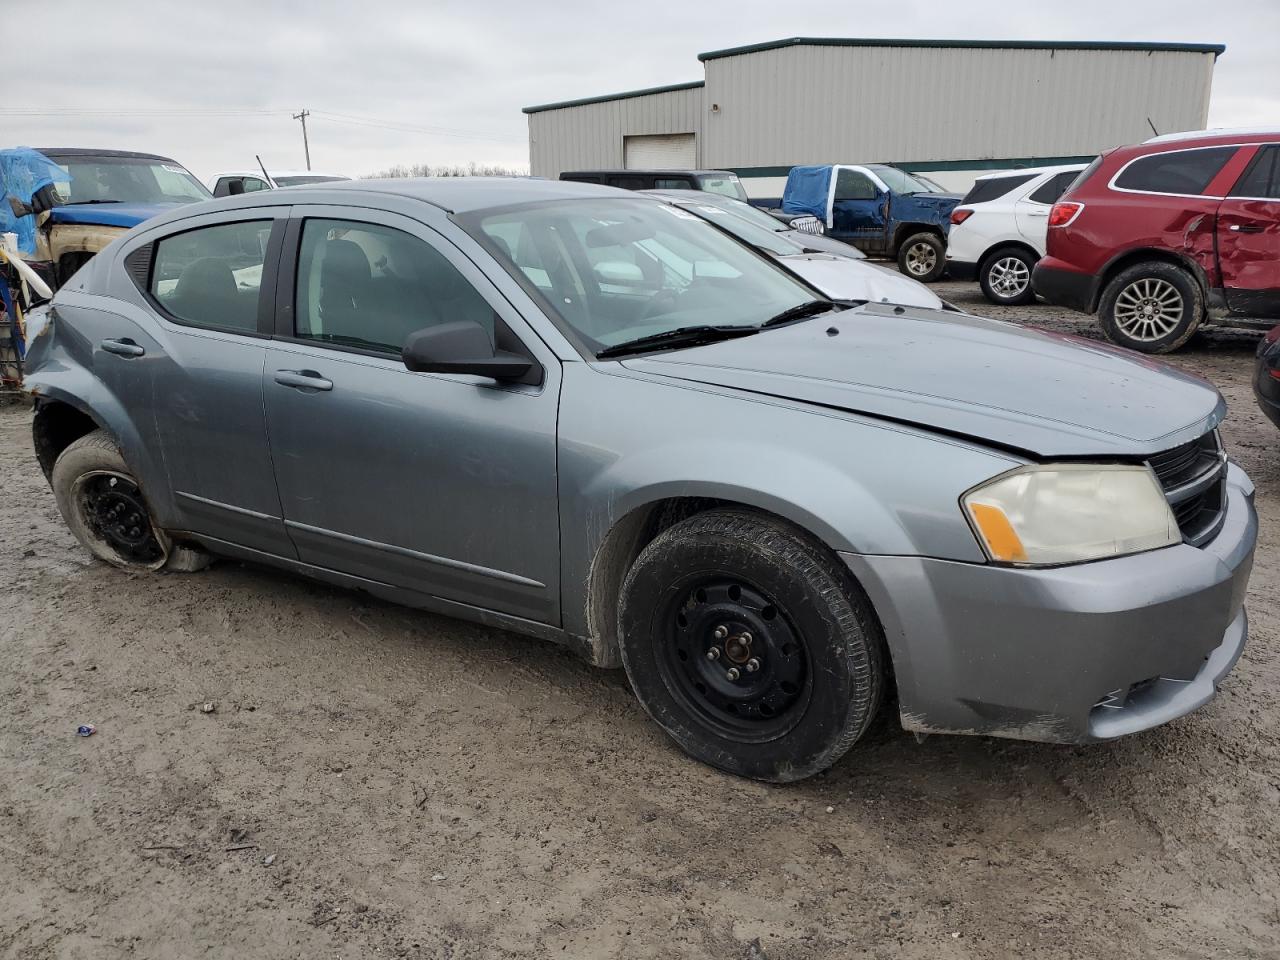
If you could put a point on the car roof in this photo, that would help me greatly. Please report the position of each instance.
(277, 173)
(86, 152)
(1209, 138)
(1034, 171)
(648, 173)
(694, 196)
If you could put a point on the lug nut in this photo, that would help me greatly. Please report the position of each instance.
(753, 665)
(720, 632)
(745, 637)
(732, 673)
(713, 653)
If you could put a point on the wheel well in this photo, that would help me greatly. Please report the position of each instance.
(1008, 245)
(622, 545)
(1146, 256)
(57, 425)
(907, 229)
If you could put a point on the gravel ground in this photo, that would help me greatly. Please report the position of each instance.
(380, 782)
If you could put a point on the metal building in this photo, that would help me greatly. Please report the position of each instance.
(763, 108)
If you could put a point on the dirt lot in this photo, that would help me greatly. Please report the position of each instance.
(427, 788)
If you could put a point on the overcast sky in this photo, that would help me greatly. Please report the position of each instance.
(401, 82)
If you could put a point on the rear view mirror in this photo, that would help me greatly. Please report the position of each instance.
(461, 347)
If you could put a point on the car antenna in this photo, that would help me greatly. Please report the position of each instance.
(1153, 127)
(272, 184)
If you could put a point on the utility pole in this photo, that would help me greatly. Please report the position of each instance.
(305, 146)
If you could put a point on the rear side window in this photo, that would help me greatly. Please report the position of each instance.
(667, 183)
(1180, 171)
(212, 276)
(367, 286)
(993, 187)
(1262, 179)
(1049, 191)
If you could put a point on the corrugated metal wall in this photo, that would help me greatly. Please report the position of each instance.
(590, 136)
(827, 104)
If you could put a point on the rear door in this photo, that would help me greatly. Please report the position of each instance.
(1249, 237)
(444, 484)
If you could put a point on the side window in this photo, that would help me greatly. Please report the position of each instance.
(212, 276)
(1262, 178)
(669, 183)
(369, 286)
(992, 188)
(854, 185)
(223, 187)
(1179, 171)
(630, 183)
(253, 184)
(1053, 188)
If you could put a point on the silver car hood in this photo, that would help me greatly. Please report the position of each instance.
(1040, 393)
(844, 279)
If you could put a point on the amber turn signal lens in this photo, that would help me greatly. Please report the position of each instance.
(997, 531)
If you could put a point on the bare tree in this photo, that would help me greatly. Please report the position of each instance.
(472, 169)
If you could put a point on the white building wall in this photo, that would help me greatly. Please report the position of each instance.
(589, 136)
(828, 104)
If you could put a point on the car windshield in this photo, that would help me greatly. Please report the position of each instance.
(297, 181)
(747, 232)
(739, 208)
(125, 180)
(729, 186)
(899, 181)
(616, 270)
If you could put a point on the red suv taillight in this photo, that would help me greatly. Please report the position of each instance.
(1064, 212)
(960, 215)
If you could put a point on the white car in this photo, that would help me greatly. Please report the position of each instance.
(232, 183)
(998, 230)
(838, 277)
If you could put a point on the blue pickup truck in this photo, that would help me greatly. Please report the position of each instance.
(881, 210)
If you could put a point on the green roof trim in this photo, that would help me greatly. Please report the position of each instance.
(670, 88)
(1217, 49)
(929, 166)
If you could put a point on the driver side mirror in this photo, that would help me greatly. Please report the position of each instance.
(19, 208)
(461, 347)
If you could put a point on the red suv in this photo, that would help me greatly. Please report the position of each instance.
(1163, 236)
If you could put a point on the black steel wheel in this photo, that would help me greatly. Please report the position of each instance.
(107, 510)
(751, 645)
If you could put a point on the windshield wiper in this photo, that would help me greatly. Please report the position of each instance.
(800, 311)
(84, 203)
(679, 337)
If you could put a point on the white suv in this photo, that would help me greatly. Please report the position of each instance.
(998, 230)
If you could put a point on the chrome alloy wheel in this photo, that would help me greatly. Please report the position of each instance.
(1148, 309)
(1009, 277)
(921, 259)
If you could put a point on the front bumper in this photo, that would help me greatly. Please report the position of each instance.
(1063, 287)
(1070, 654)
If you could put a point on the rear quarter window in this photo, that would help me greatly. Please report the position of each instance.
(1187, 172)
(993, 188)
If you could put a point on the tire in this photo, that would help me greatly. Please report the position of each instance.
(922, 256)
(755, 590)
(94, 489)
(1152, 307)
(1005, 276)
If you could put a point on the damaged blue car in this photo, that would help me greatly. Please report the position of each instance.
(880, 209)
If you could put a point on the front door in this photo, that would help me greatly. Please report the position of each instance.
(1249, 237)
(443, 484)
(859, 211)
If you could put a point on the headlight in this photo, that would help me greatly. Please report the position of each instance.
(1069, 513)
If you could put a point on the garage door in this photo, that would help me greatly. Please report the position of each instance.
(667, 151)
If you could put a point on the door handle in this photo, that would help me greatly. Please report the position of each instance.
(303, 380)
(1245, 228)
(124, 347)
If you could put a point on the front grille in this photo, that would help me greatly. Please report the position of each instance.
(808, 225)
(1193, 476)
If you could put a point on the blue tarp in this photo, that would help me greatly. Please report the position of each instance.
(807, 190)
(24, 172)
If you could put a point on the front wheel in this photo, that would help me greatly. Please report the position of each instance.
(923, 257)
(1153, 307)
(751, 646)
(106, 510)
(1005, 277)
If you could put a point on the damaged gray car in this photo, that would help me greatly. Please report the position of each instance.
(591, 417)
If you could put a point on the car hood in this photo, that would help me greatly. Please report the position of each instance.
(843, 279)
(124, 215)
(1038, 393)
